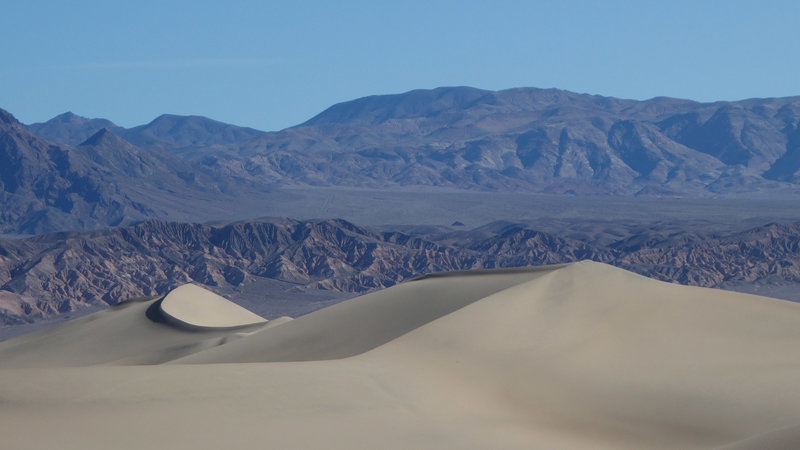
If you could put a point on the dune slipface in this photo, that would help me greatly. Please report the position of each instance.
(193, 307)
(581, 356)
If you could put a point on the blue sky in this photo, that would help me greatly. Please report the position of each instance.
(270, 65)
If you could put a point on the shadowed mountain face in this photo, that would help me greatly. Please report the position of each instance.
(49, 275)
(103, 181)
(43, 183)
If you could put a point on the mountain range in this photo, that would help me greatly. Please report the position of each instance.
(542, 140)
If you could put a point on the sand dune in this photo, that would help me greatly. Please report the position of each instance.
(361, 324)
(190, 306)
(150, 331)
(581, 356)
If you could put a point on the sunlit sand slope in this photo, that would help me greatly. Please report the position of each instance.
(193, 307)
(363, 323)
(581, 356)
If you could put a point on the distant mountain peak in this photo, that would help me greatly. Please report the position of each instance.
(70, 129)
(171, 131)
(166, 118)
(176, 120)
(169, 116)
(68, 117)
(173, 122)
(415, 103)
(105, 137)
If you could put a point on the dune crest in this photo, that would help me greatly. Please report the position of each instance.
(193, 307)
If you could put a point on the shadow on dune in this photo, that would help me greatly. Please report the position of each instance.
(154, 312)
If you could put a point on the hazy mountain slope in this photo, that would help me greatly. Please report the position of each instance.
(172, 132)
(530, 139)
(168, 131)
(103, 181)
(71, 129)
(147, 168)
(44, 184)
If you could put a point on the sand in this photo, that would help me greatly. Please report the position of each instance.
(190, 306)
(579, 356)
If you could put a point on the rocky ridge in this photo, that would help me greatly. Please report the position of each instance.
(53, 274)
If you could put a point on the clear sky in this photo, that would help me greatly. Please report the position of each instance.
(270, 65)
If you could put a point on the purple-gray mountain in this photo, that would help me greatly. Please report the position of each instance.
(532, 140)
(102, 181)
(537, 140)
(528, 140)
